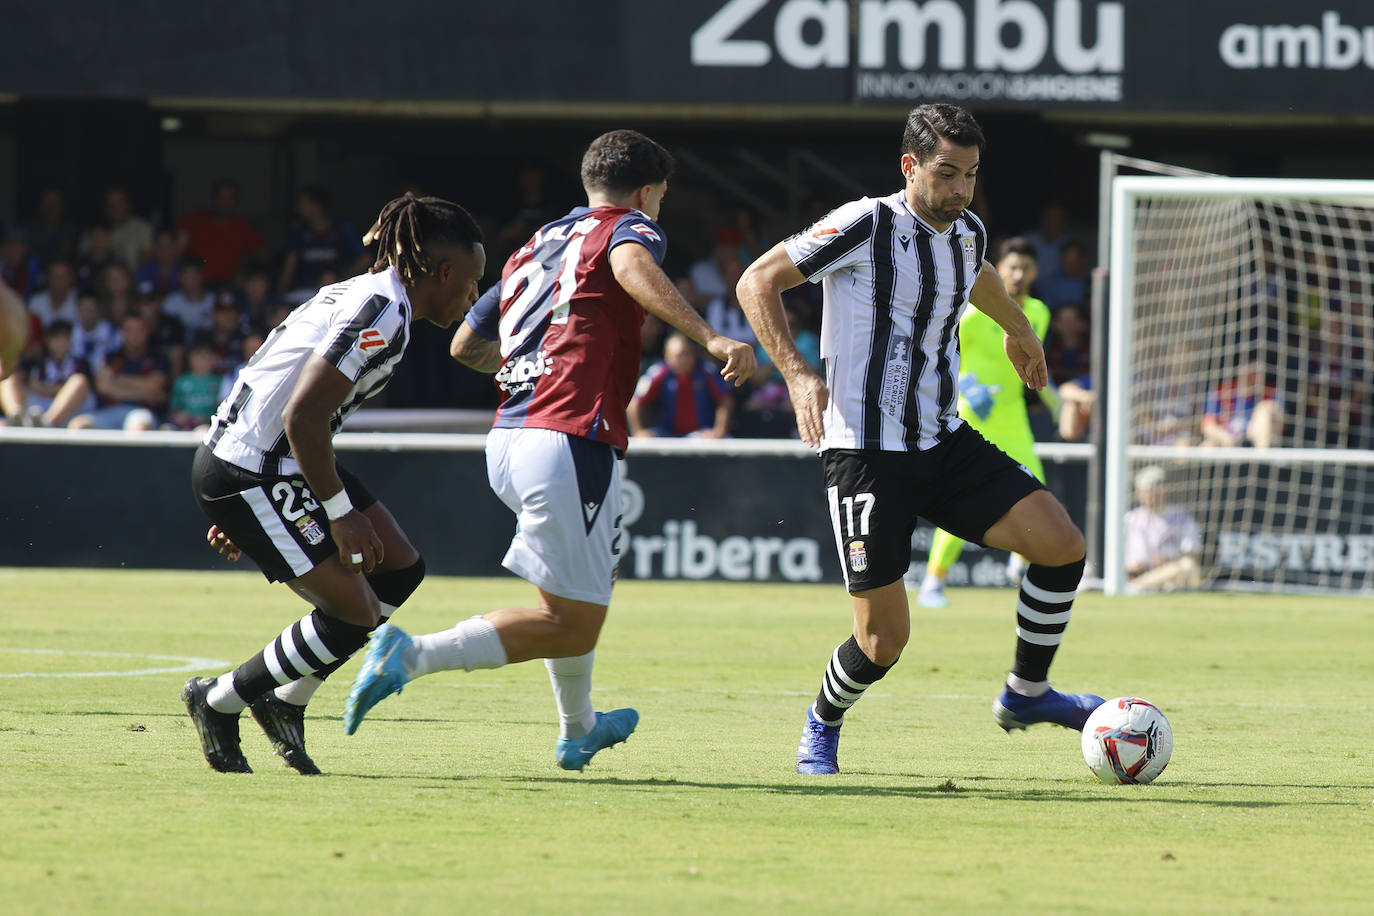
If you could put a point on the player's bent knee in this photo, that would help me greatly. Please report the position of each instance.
(883, 648)
(393, 587)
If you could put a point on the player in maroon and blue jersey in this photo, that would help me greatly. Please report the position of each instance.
(562, 334)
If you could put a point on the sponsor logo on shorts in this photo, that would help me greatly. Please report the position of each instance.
(858, 557)
(310, 529)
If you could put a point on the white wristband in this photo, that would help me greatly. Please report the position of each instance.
(338, 505)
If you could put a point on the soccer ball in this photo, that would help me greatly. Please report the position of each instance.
(1127, 740)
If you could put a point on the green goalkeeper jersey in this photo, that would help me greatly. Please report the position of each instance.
(982, 353)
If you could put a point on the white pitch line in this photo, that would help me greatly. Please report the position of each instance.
(189, 663)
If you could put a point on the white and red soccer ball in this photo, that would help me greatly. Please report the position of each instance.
(1127, 740)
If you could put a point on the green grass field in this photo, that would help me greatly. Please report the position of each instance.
(447, 799)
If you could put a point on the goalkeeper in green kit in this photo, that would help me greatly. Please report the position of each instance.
(992, 399)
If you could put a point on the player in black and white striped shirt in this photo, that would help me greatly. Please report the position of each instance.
(267, 478)
(897, 272)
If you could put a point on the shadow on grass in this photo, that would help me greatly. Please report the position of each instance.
(851, 785)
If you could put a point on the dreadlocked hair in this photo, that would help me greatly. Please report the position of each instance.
(409, 228)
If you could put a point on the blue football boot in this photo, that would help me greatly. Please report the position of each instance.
(819, 750)
(611, 728)
(1071, 710)
(383, 673)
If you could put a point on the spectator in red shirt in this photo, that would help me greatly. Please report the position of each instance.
(220, 236)
(680, 396)
(1244, 410)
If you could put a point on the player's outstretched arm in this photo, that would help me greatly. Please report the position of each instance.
(321, 390)
(760, 296)
(639, 275)
(475, 351)
(1023, 346)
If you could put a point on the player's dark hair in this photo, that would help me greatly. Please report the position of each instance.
(1017, 244)
(926, 124)
(409, 228)
(623, 160)
(59, 327)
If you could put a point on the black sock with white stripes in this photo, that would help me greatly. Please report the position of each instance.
(1042, 612)
(311, 644)
(848, 675)
(392, 588)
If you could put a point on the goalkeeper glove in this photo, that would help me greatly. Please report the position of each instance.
(979, 397)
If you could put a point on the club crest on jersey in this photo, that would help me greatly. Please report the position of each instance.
(646, 231)
(371, 338)
(858, 557)
(970, 252)
(310, 529)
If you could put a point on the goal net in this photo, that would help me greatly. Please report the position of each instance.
(1241, 373)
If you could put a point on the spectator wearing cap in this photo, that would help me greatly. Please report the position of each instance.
(219, 235)
(1162, 542)
(191, 302)
(709, 276)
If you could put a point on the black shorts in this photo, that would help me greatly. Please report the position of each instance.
(963, 485)
(276, 520)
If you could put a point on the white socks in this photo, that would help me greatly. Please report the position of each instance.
(298, 693)
(472, 644)
(1027, 688)
(572, 691)
(222, 697)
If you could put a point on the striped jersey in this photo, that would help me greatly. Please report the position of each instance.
(894, 290)
(361, 326)
(570, 335)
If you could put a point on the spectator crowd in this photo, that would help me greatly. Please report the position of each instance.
(141, 326)
(135, 326)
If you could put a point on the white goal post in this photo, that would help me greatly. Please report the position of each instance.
(1252, 300)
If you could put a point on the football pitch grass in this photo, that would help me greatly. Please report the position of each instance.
(447, 799)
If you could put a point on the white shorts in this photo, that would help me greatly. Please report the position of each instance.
(565, 493)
